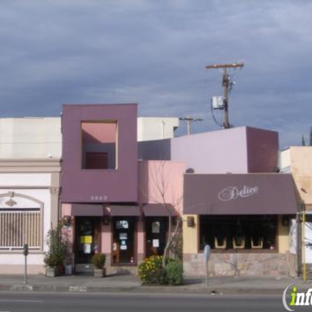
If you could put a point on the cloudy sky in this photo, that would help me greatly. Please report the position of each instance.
(154, 53)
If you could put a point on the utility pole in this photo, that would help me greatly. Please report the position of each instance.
(225, 85)
(189, 120)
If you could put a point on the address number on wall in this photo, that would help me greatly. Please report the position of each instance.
(98, 197)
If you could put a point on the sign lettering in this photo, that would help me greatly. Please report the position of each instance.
(233, 192)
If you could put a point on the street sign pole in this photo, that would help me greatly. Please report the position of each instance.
(206, 258)
(25, 252)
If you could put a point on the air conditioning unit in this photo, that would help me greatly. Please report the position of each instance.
(217, 102)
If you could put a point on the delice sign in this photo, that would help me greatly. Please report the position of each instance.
(233, 192)
(230, 194)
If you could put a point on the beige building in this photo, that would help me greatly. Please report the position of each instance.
(297, 161)
(30, 151)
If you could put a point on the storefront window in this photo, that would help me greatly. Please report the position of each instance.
(257, 232)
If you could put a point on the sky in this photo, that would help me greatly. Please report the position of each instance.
(155, 53)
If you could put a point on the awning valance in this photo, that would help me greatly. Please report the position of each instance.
(158, 210)
(123, 210)
(232, 194)
(86, 210)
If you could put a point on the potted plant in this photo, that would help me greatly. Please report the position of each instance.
(98, 260)
(54, 258)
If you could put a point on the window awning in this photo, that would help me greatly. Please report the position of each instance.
(158, 210)
(123, 210)
(86, 210)
(233, 194)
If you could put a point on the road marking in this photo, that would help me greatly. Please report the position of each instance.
(8, 300)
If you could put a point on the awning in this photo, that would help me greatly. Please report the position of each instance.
(232, 194)
(123, 210)
(86, 210)
(158, 210)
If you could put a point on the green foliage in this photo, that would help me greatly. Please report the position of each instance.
(174, 272)
(57, 247)
(151, 271)
(98, 260)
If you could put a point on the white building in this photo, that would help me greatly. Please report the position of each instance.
(156, 128)
(30, 151)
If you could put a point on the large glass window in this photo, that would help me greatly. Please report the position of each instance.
(20, 226)
(99, 144)
(238, 232)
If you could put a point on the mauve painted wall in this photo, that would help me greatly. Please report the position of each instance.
(81, 185)
(213, 152)
(262, 150)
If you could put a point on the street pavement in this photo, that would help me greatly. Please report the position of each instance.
(131, 283)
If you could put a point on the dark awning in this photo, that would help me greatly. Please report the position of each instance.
(86, 210)
(231, 194)
(158, 210)
(123, 210)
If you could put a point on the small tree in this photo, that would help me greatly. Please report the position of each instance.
(57, 247)
(162, 186)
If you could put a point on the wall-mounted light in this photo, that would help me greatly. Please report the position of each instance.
(67, 220)
(190, 221)
(285, 220)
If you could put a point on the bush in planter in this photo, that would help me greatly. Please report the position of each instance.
(99, 260)
(57, 247)
(174, 272)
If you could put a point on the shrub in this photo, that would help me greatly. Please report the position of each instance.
(174, 272)
(99, 260)
(57, 247)
(151, 271)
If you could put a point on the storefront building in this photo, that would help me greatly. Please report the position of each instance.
(114, 203)
(296, 160)
(29, 204)
(100, 182)
(245, 220)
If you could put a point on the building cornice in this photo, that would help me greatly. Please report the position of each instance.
(36, 165)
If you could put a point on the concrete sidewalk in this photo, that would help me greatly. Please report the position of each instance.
(131, 283)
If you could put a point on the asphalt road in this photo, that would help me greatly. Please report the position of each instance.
(89, 302)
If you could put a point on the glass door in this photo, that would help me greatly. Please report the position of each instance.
(123, 248)
(156, 232)
(86, 240)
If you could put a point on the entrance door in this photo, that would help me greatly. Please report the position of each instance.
(123, 240)
(156, 233)
(86, 239)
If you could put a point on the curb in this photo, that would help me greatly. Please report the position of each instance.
(209, 290)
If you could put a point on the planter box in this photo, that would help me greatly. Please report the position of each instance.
(54, 271)
(68, 269)
(100, 272)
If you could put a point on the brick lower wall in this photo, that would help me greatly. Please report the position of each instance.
(242, 264)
